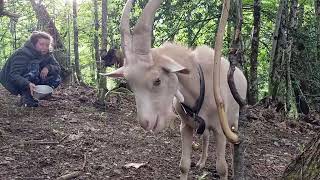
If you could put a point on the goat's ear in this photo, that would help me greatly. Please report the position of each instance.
(171, 65)
(118, 73)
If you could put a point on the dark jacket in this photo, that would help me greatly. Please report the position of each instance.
(11, 75)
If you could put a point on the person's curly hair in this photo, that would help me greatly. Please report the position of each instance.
(36, 35)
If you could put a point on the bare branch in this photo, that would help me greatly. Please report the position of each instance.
(7, 13)
(232, 137)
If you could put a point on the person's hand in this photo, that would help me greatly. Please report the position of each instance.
(44, 72)
(32, 87)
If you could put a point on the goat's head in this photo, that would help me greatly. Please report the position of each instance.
(151, 76)
(112, 57)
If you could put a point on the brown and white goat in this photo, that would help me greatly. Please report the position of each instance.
(160, 77)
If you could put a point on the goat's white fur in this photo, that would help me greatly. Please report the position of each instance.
(181, 64)
(169, 74)
(189, 88)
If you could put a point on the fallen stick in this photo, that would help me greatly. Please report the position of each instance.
(70, 175)
(84, 162)
(31, 178)
(62, 139)
(75, 174)
(39, 142)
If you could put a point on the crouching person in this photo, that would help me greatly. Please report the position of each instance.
(31, 65)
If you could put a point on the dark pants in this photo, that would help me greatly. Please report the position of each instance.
(33, 75)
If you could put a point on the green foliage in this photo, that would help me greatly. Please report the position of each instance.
(14, 34)
(190, 23)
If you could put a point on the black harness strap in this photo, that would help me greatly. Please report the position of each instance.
(194, 111)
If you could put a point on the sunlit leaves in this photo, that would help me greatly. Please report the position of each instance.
(186, 22)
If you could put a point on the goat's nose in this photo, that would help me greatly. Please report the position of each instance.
(144, 124)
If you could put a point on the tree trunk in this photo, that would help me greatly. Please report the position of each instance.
(3, 12)
(317, 13)
(69, 64)
(236, 52)
(291, 50)
(48, 26)
(76, 41)
(93, 68)
(288, 90)
(302, 105)
(96, 36)
(104, 27)
(307, 164)
(101, 88)
(235, 58)
(275, 52)
(253, 88)
(13, 31)
(1, 7)
(104, 43)
(279, 53)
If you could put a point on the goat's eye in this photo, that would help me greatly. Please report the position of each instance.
(156, 82)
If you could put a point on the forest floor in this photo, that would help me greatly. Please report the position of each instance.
(69, 136)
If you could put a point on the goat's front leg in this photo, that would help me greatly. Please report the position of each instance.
(186, 139)
(221, 163)
(205, 143)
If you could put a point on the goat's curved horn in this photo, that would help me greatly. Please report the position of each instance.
(142, 32)
(126, 36)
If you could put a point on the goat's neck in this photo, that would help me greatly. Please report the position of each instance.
(190, 84)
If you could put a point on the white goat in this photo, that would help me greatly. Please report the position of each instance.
(169, 73)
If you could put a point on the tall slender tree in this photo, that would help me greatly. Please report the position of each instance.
(104, 27)
(317, 14)
(68, 35)
(96, 35)
(76, 41)
(253, 80)
(235, 58)
(101, 87)
(277, 48)
(13, 29)
(104, 43)
(291, 50)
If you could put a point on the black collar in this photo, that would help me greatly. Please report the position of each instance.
(194, 111)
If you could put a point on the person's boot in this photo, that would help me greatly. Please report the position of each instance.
(27, 100)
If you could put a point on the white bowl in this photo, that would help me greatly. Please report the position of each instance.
(42, 91)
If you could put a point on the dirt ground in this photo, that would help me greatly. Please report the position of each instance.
(69, 136)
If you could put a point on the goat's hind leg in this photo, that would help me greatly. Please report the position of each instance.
(221, 163)
(186, 139)
(205, 143)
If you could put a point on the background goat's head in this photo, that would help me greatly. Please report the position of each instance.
(113, 56)
(151, 76)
